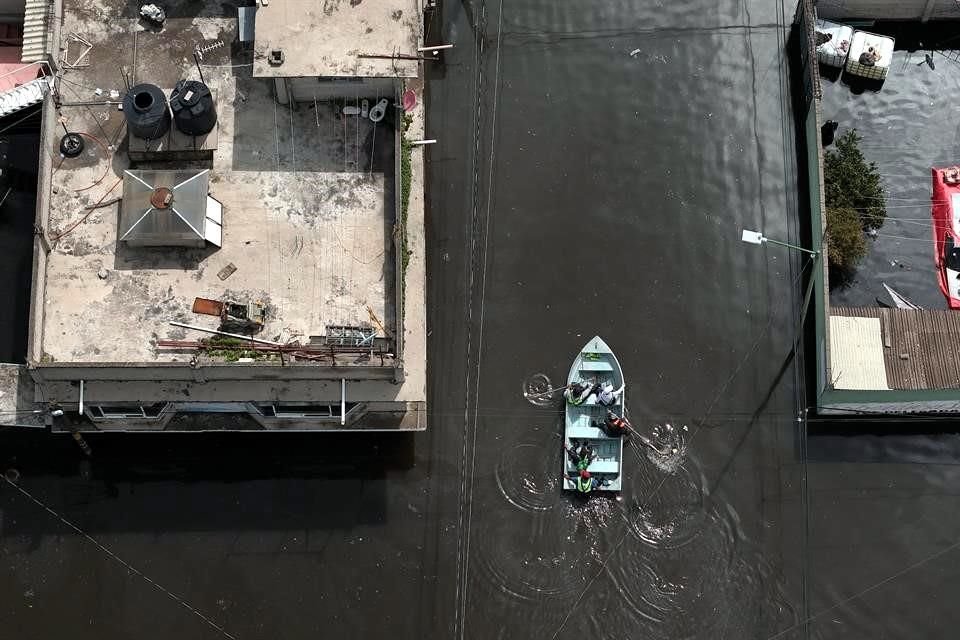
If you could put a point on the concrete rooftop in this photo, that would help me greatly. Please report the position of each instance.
(307, 219)
(323, 37)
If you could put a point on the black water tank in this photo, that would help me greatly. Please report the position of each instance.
(193, 110)
(145, 107)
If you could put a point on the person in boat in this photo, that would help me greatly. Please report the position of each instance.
(582, 456)
(586, 455)
(607, 396)
(578, 392)
(617, 426)
(587, 483)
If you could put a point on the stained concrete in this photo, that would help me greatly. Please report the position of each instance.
(307, 195)
(324, 37)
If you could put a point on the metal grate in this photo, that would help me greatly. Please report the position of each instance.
(349, 336)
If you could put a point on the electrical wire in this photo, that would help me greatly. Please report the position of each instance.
(106, 154)
(87, 214)
(90, 111)
(113, 556)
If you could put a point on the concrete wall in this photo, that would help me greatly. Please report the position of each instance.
(322, 90)
(843, 402)
(889, 9)
(184, 417)
(162, 371)
(41, 247)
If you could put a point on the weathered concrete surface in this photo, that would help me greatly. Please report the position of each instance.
(17, 397)
(148, 392)
(323, 37)
(308, 211)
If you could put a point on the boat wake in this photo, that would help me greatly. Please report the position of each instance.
(538, 558)
(669, 448)
(668, 510)
(529, 487)
(661, 597)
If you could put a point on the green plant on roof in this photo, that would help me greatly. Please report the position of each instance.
(232, 349)
(854, 199)
(845, 237)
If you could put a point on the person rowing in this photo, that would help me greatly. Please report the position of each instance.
(617, 426)
(587, 483)
(578, 392)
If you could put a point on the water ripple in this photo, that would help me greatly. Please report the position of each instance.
(528, 479)
(539, 391)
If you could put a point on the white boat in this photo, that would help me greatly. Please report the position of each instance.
(595, 364)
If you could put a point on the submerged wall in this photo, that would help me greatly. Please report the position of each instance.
(922, 10)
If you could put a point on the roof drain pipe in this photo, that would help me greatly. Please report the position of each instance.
(224, 333)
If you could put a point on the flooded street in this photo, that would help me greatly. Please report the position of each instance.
(594, 169)
(906, 129)
(621, 151)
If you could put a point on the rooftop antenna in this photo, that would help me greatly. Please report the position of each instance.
(198, 52)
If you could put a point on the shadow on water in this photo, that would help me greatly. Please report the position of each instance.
(144, 482)
(19, 157)
(942, 449)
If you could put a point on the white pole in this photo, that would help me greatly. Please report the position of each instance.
(436, 48)
(224, 333)
(343, 401)
(81, 397)
(422, 142)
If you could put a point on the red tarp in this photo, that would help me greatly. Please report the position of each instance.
(945, 232)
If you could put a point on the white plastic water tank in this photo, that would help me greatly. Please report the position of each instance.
(833, 52)
(882, 49)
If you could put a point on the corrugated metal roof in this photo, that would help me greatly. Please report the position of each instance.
(856, 354)
(921, 349)
(35, 31)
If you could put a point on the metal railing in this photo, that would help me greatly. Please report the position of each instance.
(41, 64)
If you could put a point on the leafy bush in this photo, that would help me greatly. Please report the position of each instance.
(852, 182)
(845, 243)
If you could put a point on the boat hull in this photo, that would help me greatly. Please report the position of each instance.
(945, 209)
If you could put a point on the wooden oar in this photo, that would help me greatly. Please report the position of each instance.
(546, 393)
(645, 440)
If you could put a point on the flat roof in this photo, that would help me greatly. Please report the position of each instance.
(308, 210)
(322, 38)
(920, 348)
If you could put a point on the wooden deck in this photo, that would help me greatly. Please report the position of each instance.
(921, 349)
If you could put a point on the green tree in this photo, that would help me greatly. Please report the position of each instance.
(845, 243)
(852, 182)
